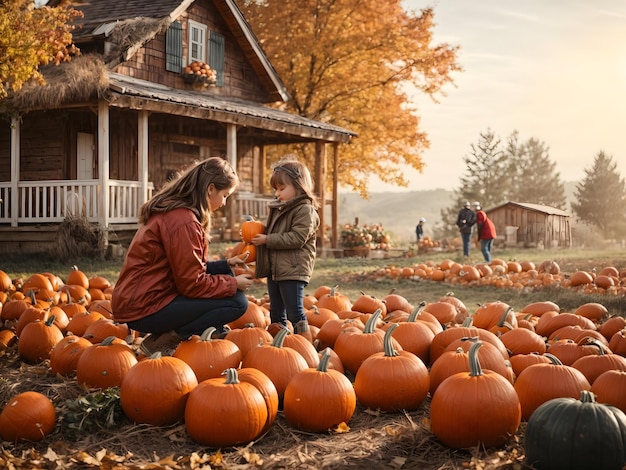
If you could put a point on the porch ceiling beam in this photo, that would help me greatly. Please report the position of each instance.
(212, 114)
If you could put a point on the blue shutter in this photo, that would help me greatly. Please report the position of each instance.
(174, 48)
(216, 55)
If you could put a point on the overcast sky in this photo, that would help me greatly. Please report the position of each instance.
(554, 70)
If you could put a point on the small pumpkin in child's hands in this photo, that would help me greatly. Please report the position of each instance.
(251, 228)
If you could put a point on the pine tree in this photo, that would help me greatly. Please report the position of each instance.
(485, 179)
(532, 174)
(601, 197)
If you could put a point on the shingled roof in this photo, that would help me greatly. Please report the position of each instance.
(102, 18)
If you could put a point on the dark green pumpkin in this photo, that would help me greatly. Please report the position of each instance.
(564, 433)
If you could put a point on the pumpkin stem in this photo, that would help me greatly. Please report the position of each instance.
(231, 376)
(371, 322)
(155, 355)
(279, 339)
(553, 359)
(387, 344)
(416, 312)
(50, 320)
(474, 363)
(108, 340)
(323, 365)
(504, 317)
(594, 342)
(468, 322)
(206, 334)
(471, 339)
(586, 396)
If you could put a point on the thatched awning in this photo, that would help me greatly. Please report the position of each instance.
(83, 79)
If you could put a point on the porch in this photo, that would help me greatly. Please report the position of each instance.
(45, 202)
(30, 221)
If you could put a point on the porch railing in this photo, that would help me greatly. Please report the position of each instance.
(54, 200)
(253, 204)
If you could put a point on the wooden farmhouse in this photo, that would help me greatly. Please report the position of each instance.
(111, 126)
(531, 225)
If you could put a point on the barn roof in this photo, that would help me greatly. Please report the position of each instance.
(533, 207)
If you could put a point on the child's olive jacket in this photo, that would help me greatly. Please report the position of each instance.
(291, 229)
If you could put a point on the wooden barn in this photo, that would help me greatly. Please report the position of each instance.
(111, 126)
(531, 225)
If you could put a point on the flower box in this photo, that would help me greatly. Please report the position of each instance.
(204, 79)
(356, 252)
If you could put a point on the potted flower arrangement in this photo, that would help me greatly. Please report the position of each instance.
(359, 240)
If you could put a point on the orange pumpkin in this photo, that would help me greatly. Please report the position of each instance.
(250, 229)
(27, 416)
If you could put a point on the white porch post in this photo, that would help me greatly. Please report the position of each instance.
(334, 236)
(231, 154)
(15, 169)
(103, 166)
(320, 189)
(142, 155)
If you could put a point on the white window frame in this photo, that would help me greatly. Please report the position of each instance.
(199, 30)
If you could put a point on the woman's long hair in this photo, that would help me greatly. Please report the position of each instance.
(190, 189)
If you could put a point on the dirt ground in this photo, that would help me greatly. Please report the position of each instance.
(373, 440)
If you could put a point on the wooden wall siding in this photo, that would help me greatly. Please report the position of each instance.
(246, 168)
(5, 150)
(123, 146)
(534, 228)
(240, 80)
(43, 147)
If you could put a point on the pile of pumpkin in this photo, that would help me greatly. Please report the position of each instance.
(511, 274)
(427, 244)
(485, 371)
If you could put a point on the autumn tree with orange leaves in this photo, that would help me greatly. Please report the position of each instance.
(351, 63)
(31, 37)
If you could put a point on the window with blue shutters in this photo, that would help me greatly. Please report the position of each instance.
(197, 41)
(216, 55)
(174, 47)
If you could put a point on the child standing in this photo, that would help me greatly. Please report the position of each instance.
(286, 251)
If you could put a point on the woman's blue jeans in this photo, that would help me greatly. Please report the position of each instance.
(192, 316)
(485, 246)
(286, 301)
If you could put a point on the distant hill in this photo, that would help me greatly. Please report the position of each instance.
(399, 212)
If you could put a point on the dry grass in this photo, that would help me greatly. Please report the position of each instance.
(375, 440)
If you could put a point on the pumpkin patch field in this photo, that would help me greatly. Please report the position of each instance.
(430, 363)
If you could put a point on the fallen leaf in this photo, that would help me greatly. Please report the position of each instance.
(341, 427)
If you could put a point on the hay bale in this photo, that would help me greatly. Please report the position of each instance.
(77, 237)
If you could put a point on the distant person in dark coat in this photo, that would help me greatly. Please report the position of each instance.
(486, 232)
(465, 221)
(419, 229)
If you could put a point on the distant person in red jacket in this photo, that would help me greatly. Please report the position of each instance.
(167, 286)
(486, 232)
